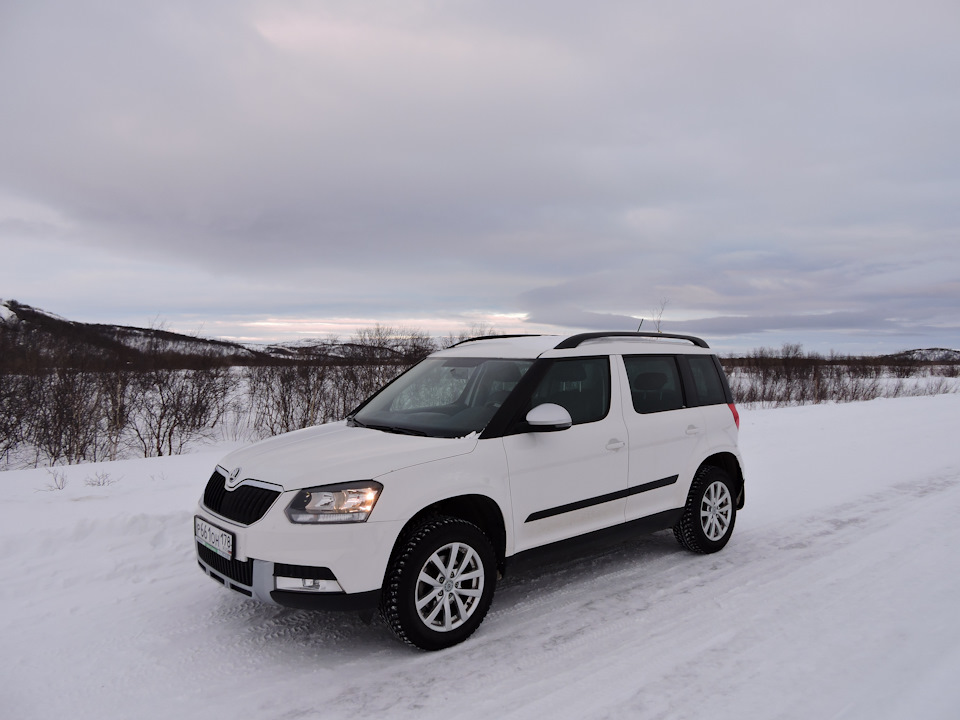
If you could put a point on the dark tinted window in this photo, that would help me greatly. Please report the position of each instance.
(581, 385)
(706, 380)
(654, 383)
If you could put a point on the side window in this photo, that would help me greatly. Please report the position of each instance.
(706, 380)
(581, 385)
(654, 383)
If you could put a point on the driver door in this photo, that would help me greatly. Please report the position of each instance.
(568, 482)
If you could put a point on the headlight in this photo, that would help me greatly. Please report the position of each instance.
(346, 502)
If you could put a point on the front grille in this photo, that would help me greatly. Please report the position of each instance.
(239, 572)
(245, 505)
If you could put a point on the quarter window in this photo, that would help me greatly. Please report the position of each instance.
(707, 380)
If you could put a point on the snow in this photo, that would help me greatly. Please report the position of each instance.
(836, 598)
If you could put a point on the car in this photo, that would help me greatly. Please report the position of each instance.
(481, 455)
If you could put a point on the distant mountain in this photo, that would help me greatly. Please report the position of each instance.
(28, 332)
(927, 355)
(24, 328)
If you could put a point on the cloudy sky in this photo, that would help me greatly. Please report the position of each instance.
(763, 172)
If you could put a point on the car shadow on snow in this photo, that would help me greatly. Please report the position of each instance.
(561, 569)
(254, 629)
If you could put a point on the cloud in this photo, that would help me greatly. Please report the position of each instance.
(403, 159)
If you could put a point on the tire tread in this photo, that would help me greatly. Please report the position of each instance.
(390, 598)
(688, 531)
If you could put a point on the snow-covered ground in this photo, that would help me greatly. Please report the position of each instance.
(838, 597)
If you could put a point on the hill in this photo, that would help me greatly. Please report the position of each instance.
(24, 328)
(926, 355)
(31, 336)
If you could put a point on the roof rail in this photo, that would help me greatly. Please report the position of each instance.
(491, 337)
(575, 340)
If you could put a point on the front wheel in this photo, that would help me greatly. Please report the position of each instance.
(710, 512)
(439, 584)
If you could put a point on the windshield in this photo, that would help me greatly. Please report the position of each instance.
(443, 397)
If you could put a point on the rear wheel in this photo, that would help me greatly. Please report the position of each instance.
(710, 512)
(439, 584)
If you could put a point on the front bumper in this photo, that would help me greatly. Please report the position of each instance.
(259, 579)
(330, 566)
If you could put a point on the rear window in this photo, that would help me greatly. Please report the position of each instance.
(706, 380)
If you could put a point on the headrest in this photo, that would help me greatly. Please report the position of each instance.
(648, 382)
(568, 372)
(506, 372)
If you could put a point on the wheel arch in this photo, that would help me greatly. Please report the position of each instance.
(729, 462)
(480, 510)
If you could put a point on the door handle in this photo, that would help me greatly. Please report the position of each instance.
(693, 429)
(614, 444)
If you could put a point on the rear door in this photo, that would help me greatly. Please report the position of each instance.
(664, 429)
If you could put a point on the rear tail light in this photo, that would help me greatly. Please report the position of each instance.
(736, 415)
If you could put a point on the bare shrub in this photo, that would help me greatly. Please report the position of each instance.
(171, 408)
(289, 397)
(116, 389)
(938, 387)
(951, 370)
(58, 480)
(62, 405)
(63, 425)
(788, 376)
(905, 367)
(14, 412)
(100, 479)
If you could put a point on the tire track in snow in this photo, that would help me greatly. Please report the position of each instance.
(689, 601)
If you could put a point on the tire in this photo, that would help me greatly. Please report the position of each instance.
(710, 513)
(422, 601)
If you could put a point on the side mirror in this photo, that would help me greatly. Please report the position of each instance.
(549, 417)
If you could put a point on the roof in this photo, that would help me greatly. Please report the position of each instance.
(530, 346)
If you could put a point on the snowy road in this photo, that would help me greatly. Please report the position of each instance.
(836, 598)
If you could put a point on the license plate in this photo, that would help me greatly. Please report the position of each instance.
(214, 538)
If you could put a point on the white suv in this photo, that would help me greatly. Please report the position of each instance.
(491, 450)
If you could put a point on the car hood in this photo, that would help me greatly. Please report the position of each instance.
(335, 453)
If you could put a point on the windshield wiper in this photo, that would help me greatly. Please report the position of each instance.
(386, 428)
(398, 430)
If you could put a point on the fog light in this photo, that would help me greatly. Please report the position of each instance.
(310, 585)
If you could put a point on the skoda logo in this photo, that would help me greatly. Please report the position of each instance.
(233, 481)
